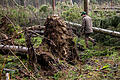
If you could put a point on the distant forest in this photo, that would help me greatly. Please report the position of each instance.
(37, 3)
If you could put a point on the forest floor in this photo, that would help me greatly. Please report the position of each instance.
(98, 63)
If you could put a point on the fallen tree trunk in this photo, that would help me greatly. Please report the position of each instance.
(113, 8)
(117, 11)
(36, 27)
(105, 31)
(99, 30)
(14, 48)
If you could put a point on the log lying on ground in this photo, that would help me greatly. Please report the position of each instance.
(105, 31)
(14, 48)
(36, 27)
(117, 11)
(99, 30)
(113, 8)
(43, 58)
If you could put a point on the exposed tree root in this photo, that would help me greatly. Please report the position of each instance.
(57, 44)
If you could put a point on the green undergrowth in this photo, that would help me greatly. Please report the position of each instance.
(90, 53)
(35, 40)
(100, 62)
(97, 63)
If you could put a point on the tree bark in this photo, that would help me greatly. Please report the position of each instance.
(14, 48)
(25, 3)
(37, 3)
(62, 0)
(117, 11)
(31, 52)
(43, 1)
(53, 5)
(86, 6)
(22, 2)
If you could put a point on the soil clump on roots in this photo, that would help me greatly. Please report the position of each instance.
(57, 44)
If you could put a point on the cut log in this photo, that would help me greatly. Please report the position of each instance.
(99, 30)
(86, 6)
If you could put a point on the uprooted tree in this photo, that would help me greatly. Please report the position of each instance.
(57, 44)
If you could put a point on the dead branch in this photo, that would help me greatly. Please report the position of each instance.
(23, 65)
(31, 52)
(36, 27)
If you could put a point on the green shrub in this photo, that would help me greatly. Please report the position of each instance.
(72, 14)
(45, 10)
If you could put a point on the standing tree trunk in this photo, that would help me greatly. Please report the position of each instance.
(25, 4)
(11, 3)
(111, 3)
(37, 3)
(22, 2)
(3, 3)
(71, 2)
(86, 3)
(62, 0)
(53, 5)
(43, 1)
(50, 2)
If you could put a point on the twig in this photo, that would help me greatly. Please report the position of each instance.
(16, 3)
(5, 39)
(10, 22)
(3, 67)
(23, 65)
(10, 38)
(4, 35)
